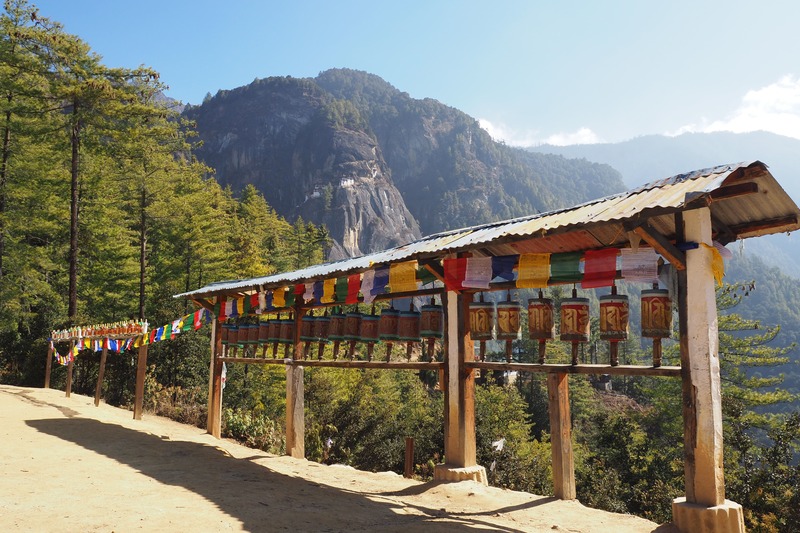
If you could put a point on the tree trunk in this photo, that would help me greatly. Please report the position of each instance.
(72, 311)
(3, 181)
(142, 250)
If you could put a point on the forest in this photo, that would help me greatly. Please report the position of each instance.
(106, 213)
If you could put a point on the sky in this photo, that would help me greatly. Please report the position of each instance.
(531, 71)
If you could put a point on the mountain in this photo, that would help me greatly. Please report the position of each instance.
(378, 168)
(652, 157)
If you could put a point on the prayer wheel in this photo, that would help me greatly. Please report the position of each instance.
(656, 319)
(321, 327)
(408, 328)
(431, 325)
(541, 322)
(387, 329)
(233, 334)
(336, 332)
(575, 322)
(225, 334)
(307, 333)
(368, 332)
(352, 331)
(263, 331)
(614, 322)
(481, 323)
(287, 335)
(252, 334)
(274, 337)
(508, 328)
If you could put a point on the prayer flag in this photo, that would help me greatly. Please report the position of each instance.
(328, 290)
(230, 308)
(279, 297)
(717, 263)
(533, 271)
(308, 292)
(565, 267)
(600, 268)
(87, 343)
(403, 276)
(341, 289)
(455, 270)
(640, 265)
(353, 285)
(219, 308)
(367, 282)
(290, 298)
(425, 276)
(319, 291)
(478, 273)
(262, 301)
(240, 306)
(176, 327)
(503, 266)
(268, 303)
(380, 281)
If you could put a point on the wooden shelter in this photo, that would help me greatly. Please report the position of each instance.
(680, 218)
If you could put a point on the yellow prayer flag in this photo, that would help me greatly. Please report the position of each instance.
(328, 290)
(239, 303)
(137, 342)
(403, 276)
(279, 297)
(717, 263)
(533, 271)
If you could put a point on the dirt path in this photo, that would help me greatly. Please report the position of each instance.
(70, 466)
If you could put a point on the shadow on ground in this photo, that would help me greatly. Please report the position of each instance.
(262, 499)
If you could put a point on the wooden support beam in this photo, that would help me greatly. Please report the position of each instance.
(789, 222)
(676, 257)
(295, 395)
(141, 370)
(435, 268)
(48, 367)
(70, 365)
(339, 363)
(101, 372)
(561, 437)
(214, 419)
(619, 370)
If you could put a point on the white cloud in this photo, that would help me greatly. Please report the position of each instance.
(774, 108)
(501, 132)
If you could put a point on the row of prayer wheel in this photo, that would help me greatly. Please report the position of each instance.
(390, 326)
(502, 322)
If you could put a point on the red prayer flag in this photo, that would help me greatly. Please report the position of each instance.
(600, 268)
(221, 316)
(455, 270)
(353, 286)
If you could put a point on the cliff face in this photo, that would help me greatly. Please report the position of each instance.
(284, 136)
(377, 167)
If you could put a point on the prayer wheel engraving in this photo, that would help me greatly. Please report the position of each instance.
(541, 319)
(369, 328)
(274, 334)
(321, 327)
(432, 322)
(387, 327)
(575, 320)
(408, 326)
(613, 317)
(307, 328)
(336, 328)
(263, 332)
(287, 332)
(656, 314)
(225, 333)
(481, 321)
(508, 326)
(252, 334)
(352, 327)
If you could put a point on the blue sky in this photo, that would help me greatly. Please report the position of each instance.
(532, 71)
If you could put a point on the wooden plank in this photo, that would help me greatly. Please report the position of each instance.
(549, 368)
(340, 363)
(214, 421)
(70, 365)
(295, 395)
(561, 437)
(764, 225)
(48, 367)
(141, 370)
(101, 372)
(661, 245)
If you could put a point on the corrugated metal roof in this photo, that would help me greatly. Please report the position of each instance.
(594, 224)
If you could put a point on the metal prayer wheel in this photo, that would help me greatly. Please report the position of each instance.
(575, 320)
(263, 331)
(336, 331)
(614, 317)
(369, 332)
(252, 334)
(408, 329)
(233, 334)
(431, 325)
(541, 319)
(321, 327)
(656, 314)
(387, 329)
(352, 326)
(307, 332)
(286, 331)
(614, 322)
(225, 333)
(432, 322)
(274, 330)
(481, 321)
(508, 328)
(656, 319)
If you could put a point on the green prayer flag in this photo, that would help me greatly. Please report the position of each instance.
(340, 290)
(565, 267)
(425, 276)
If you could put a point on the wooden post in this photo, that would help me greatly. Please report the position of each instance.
(141, 370)
(561, 436)
(408, 470)
(48, 367)
(295, 397)
(68, 388)
(705, 483)
(101, 373)
(214, 420)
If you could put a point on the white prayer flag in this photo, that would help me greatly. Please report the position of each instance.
(640, 265)
(478, 273)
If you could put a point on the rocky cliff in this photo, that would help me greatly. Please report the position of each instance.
(377, 167)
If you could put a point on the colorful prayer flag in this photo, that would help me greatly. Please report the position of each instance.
(353, 286)
(478, 273)
(455, 270)
(341, 289)
(503, 266)
(425, 276)
(639, 265)
(279, 297)
(380, 281)
(308, 292)
(367, 282)
(717, 263)
(328, 290)
(599, 268)
(219, 308)
(533, 271)
(403, 276)
(318, 291)
(566, 267)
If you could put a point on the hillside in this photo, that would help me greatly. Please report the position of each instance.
(375, 166)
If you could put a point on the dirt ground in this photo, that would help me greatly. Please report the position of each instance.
(70, 466)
